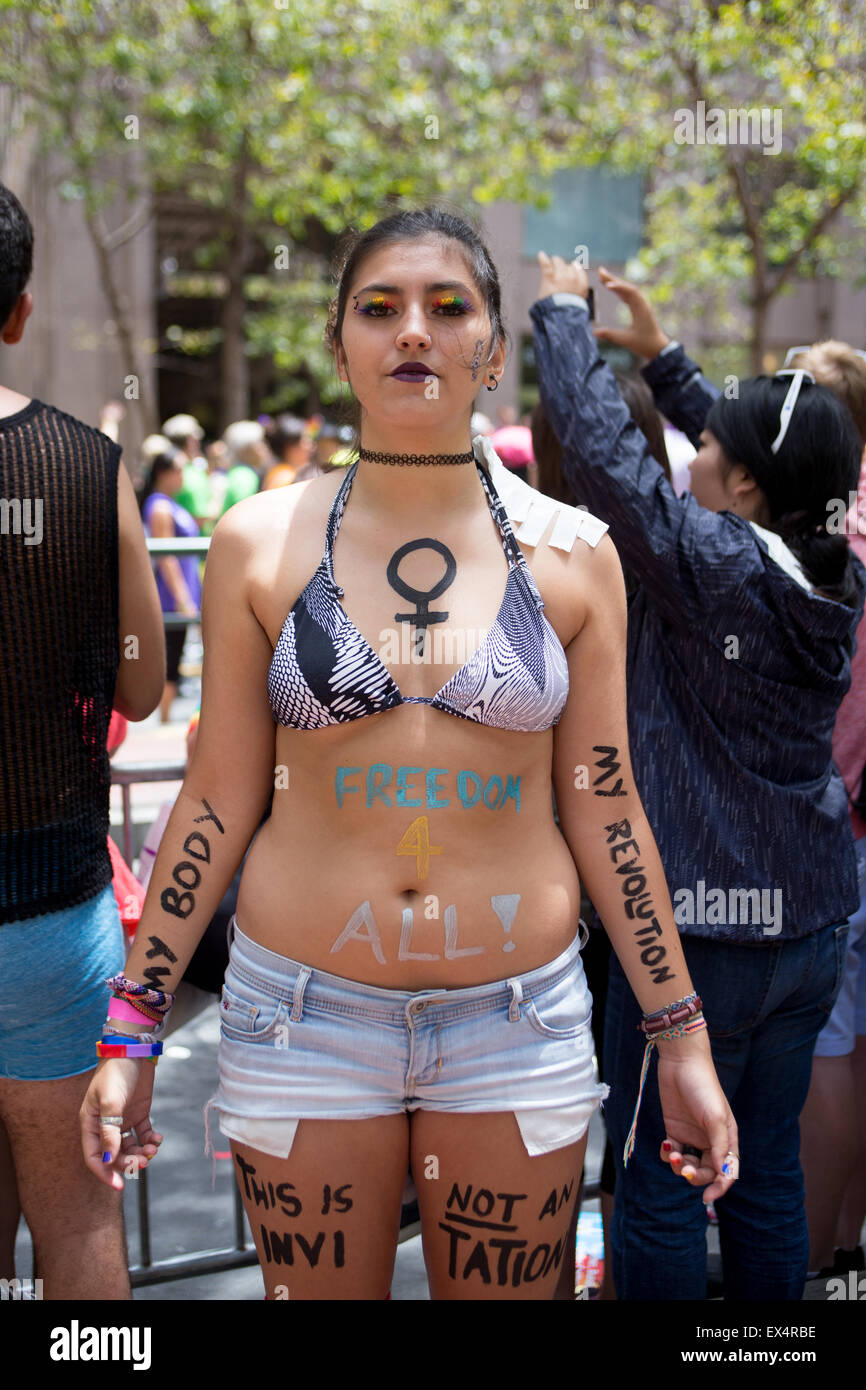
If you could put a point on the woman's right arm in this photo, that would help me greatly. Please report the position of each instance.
(230, 778)
(227, 786)
(680, 389)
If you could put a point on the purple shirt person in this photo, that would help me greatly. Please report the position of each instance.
(184, 525)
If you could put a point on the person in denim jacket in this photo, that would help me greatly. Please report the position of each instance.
(739, 650)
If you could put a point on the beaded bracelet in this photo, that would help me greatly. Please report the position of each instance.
(679, 1030)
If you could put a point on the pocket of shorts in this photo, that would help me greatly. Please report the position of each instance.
(564, 1018)
(244, 1021)
(840, 956)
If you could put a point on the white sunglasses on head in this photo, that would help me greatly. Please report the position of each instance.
(795, 352)
(798, 375)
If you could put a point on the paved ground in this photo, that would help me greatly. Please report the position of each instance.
(190, 1196)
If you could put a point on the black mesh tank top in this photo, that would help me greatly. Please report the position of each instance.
(58, 658)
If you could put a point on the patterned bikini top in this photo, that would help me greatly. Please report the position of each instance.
(324, 671)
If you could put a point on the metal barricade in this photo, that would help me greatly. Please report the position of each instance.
(159, 547)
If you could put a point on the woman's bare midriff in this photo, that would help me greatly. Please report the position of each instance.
(363, 870)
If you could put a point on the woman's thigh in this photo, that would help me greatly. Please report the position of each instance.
(494, 1221)
(326, 1219)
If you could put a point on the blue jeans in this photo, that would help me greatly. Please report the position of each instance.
(765, 1006)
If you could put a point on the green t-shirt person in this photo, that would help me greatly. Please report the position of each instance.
(241, 481)
(196, 495)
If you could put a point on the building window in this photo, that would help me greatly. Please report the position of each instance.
(592, 208)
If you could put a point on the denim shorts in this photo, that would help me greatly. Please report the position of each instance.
(847, 1022)
(53, 996)
(298, 1043)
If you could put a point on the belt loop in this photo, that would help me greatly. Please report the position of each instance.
(516, 999)
(230, 931)
(298, 992)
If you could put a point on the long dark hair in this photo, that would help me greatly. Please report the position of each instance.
(817, 462)
(548, 451)
(162, 463)
(405, 226)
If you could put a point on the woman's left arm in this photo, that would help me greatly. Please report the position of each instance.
(606, 829)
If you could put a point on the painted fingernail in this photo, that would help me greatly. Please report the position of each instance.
(726, 1169)
(106, 1157)
(667, 1146)
(688, 1174)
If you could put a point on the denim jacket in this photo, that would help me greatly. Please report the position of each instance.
(735, 669)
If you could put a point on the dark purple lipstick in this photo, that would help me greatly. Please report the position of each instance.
(412, 371)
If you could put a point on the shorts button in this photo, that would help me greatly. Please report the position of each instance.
(419, 1006)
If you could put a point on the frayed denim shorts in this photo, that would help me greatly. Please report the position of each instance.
(298, 1043)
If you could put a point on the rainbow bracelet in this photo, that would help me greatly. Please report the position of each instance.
(114, 1048)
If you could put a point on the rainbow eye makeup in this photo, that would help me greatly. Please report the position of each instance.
(453, 301)
(373, 305)
(377, 306)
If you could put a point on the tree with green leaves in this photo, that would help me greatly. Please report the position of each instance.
(265, 127)
(742, 204)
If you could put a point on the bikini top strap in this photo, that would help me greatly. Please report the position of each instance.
(335, 516)
(513, 553)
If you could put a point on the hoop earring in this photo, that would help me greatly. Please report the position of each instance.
(495, 385)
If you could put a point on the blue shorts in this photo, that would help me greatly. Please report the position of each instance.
(53, 997)
(298, 1043)
(847, 1022)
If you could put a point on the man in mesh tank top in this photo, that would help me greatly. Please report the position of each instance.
(76, 586)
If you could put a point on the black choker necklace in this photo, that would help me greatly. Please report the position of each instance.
(418, 459)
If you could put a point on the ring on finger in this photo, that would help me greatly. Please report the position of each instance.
(111, 1120)
(126, 1133)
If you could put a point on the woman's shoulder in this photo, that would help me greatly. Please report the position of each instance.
(279, 509)
(158, 506)
(278, 536)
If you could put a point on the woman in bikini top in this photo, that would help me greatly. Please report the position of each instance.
(409, 700)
